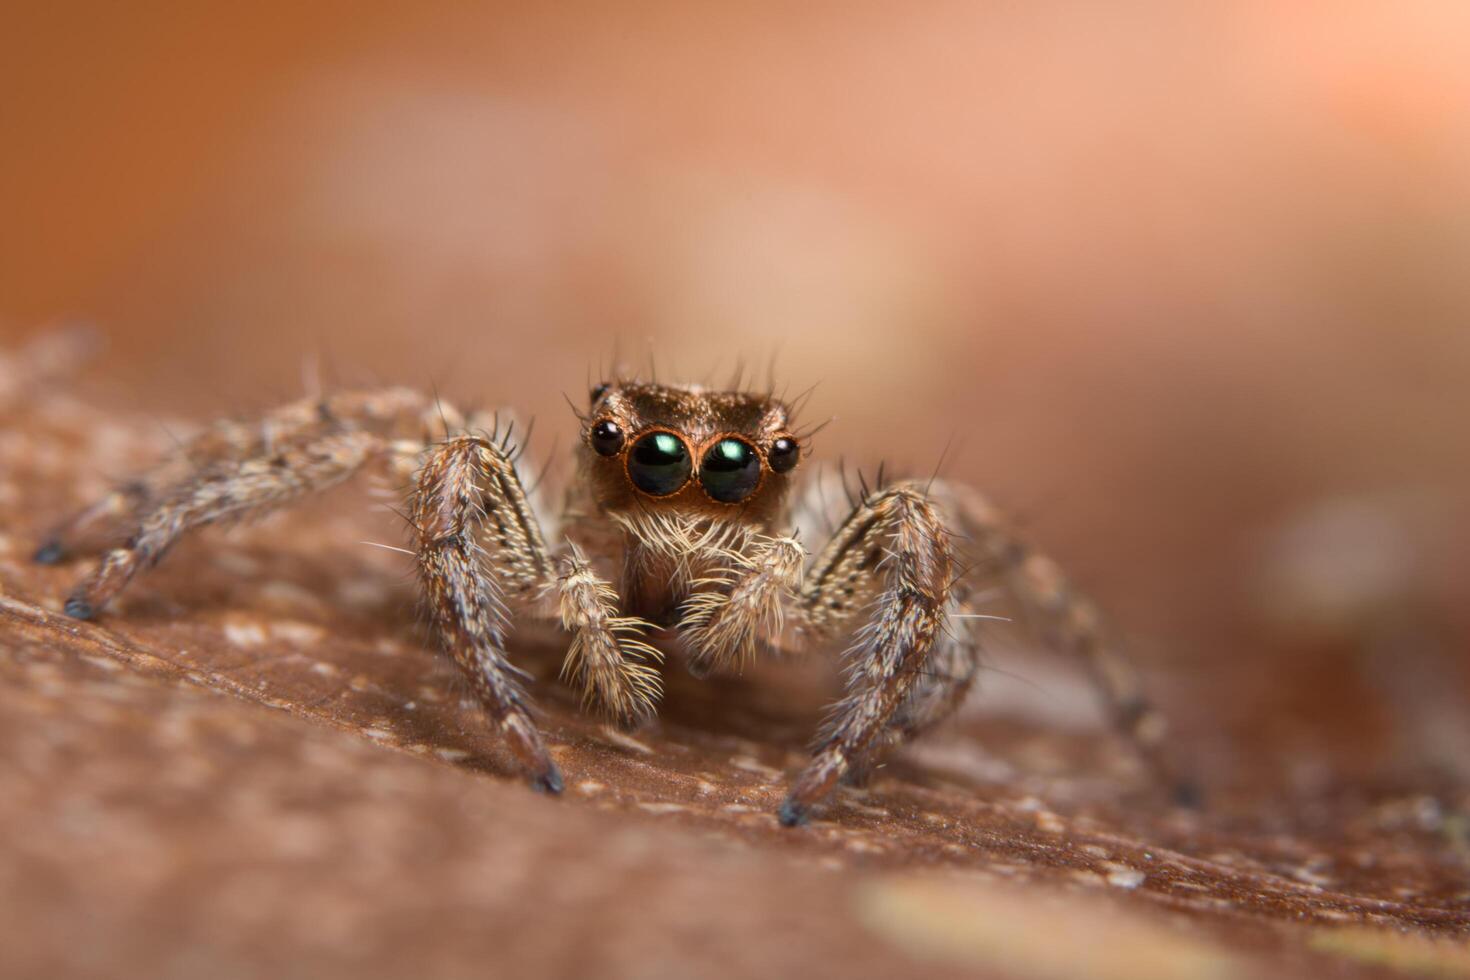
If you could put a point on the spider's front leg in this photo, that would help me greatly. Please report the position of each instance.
(480, 546)
(467, 490)
(894, 542)
(608, 659)
(743, 598)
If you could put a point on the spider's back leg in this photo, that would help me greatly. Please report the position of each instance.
(236, 470)
(1069, 621)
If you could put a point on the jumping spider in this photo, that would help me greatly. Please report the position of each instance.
(678, 519)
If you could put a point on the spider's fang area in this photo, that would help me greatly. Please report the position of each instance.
(792, 813)
(78, 608)
(549, 781)
(49, 553)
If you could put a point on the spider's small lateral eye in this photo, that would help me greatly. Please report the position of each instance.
(596, 394)
(607, 438)
(659, 464)
(783, 454)
(730, 470)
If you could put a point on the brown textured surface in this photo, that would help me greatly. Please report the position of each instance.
(252, 764)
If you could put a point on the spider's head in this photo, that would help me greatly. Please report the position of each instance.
(724, 454)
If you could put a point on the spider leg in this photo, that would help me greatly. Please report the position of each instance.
(736, 603)
(96, 527)
(607, 659)
(894, 542)
(467, 495)
(1069, 621)
(220, 491)
(108, 523)
(238, 469)
(943, 685)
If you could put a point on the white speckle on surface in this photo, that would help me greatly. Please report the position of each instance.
(325, 669)
(867, 811)
(244, 634)
(286, 594)
(624, 741)
(452, 755)
(1122, 876)
(364, 593)
(660, 807)
(236, 563)
(748, 764)
(302, 634)
(1337, 915)
(1311, 878)
(1049, 822)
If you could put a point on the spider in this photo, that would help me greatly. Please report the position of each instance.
(681, 517)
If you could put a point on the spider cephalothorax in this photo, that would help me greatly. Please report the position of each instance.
(689, 451)
(678, 518)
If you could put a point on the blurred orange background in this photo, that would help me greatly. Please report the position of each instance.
(1187, 285)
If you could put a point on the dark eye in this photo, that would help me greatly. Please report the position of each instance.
(596, 394)
(782, 454)
(607, 438)
(730, 471)
(659, 464)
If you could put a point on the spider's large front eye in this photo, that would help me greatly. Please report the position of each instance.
(730, 470)
(659, 464)
(607, 438)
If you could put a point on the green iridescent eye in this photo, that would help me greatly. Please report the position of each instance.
(730, 470)
(658, 464)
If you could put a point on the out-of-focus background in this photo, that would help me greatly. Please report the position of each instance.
(1185, 284)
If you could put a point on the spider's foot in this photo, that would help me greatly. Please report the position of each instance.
(77, 607)
(49, 553)
(792, 813)
(548, 780)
